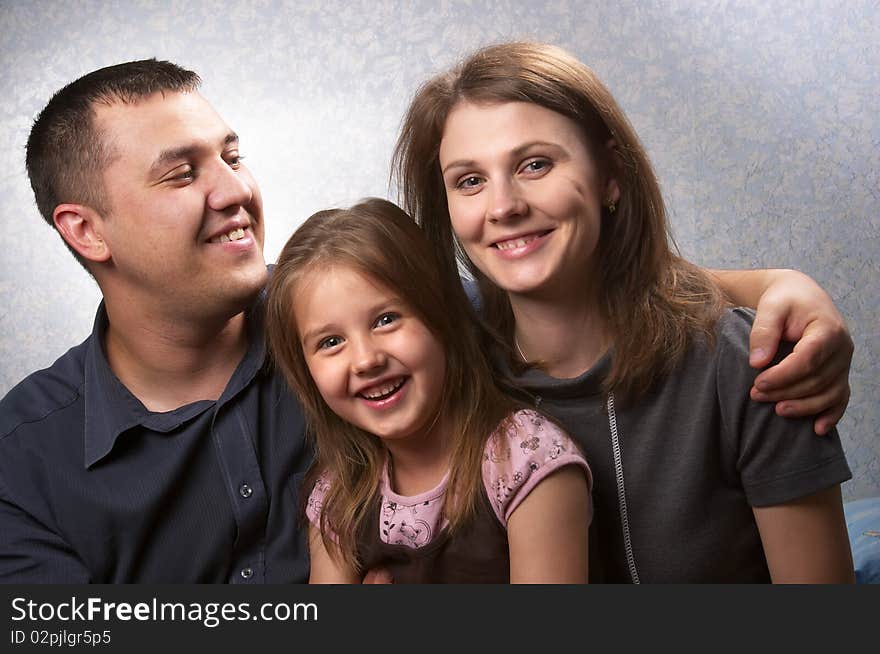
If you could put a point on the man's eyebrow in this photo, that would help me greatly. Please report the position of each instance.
(185, 152)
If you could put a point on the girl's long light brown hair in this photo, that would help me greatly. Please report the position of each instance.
(644, 282)
(376, 238)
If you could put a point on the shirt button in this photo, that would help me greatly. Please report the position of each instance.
(247, 573)
(245, 491)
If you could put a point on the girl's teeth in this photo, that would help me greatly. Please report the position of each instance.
(385, 390)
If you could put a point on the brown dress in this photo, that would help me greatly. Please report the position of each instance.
(477, 554)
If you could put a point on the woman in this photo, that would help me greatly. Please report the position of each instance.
(524, 155)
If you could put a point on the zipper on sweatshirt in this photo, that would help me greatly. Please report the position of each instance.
(618, 474)
(621, 490)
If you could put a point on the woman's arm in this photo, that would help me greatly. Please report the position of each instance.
(547, 532)
(805, 541)
(324, 569)
(814, 379)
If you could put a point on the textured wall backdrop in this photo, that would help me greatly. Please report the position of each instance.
(761, 118)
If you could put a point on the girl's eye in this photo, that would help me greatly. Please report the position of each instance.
(386, 319)
(329, 342)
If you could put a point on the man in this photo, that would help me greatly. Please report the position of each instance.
(161, 449)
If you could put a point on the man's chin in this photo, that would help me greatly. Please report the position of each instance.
(242, 290)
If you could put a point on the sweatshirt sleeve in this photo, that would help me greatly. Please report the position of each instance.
(778, 459)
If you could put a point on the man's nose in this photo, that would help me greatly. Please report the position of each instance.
(230, 188)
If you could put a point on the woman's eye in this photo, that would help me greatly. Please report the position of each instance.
(386, 319)
(469, 182)
(536, 166)
(329, 342)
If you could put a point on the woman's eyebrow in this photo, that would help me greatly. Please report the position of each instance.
(518, 151)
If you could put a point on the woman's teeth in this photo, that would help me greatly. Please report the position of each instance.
(515, 242)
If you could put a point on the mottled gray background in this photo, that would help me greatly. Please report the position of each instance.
(761, 118)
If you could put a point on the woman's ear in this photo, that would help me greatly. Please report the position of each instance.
(611, 192)
(80, 227)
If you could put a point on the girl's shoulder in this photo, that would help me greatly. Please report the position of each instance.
(315, 503)
(525, 449)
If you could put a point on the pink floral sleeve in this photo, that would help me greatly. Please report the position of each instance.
(518, 458)
(316, 500)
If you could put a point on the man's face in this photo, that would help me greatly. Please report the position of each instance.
(184, 219)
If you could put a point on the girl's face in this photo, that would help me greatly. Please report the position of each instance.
(524, 194)
(373, 360)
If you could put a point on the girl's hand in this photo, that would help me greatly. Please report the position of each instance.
(814, 379)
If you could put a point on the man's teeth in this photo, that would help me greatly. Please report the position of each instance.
(514, 243)
(382, 391)
(234, 235)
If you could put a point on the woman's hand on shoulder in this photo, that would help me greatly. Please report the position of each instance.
(814, 379)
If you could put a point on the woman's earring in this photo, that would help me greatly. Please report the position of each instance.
(612, 207)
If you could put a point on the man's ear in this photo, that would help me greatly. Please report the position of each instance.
(80, 226)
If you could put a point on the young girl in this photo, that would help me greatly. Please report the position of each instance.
(423, 466)
(523, 158)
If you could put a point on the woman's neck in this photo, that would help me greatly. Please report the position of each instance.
(567, 336)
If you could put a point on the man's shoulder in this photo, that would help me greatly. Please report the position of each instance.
(42, 393)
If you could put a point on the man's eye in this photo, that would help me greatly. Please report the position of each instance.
(234, 160)
(186, 174)
(386, 319)
(329, 342)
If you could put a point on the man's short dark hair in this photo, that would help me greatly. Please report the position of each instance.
(65, 151)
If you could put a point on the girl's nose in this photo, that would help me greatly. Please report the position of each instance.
(368, 358)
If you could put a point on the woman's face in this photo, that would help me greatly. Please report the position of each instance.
(525, 195)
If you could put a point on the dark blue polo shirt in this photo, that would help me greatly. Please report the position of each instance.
(96, 488)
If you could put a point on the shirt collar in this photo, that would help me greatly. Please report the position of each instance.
(111, 409)
(535, 381)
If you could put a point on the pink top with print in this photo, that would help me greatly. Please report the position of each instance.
(535, 448)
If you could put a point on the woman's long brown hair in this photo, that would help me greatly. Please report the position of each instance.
(644, 282)
(379, 240)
